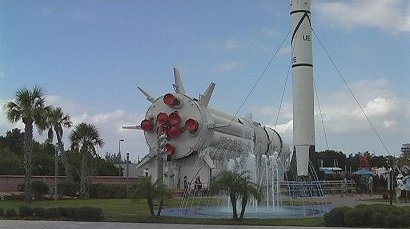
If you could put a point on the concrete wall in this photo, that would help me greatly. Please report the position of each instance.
(9, 183)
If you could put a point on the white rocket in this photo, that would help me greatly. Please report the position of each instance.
(179, 125)
(302, 70)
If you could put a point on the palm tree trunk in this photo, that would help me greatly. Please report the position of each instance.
(161, 203)
(150, 203)
(233, 202)
(244, 202)
(64, 159)
(84, 177)
(28, 158)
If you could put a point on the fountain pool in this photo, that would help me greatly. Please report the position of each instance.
(261, 212)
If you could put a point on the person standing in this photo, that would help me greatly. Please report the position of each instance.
(399, 187)
(186, 187)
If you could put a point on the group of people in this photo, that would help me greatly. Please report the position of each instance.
(197, 188)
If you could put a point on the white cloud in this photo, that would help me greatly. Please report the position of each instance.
(229, 66)
(270, 32)
(390, 15)
(233, 44)
(345, 125)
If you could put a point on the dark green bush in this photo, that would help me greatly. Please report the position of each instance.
(68, 212)
(51, 213)
(107, 191)
(39, 212)
(88, 214)
(336, 217)
(1, 212)
(39, 188)
(11, 213)
(25, 211)
(355, 217)
(377, 215)
(69, 189)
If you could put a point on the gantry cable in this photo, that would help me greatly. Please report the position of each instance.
(351, 92)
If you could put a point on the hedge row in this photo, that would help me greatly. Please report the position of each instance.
(97, 191)
(376, 215)
(78, 213)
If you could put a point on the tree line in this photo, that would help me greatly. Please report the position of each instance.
(20, 153)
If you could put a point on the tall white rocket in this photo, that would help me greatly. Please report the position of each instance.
(302, 70)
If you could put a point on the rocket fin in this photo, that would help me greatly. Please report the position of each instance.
(147, 96)
(178, 86)
(204, 98)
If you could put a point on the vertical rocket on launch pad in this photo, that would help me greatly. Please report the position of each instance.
(302, 70)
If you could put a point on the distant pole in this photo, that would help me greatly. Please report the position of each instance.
(55, 173)
(126, 184)
(119, 158)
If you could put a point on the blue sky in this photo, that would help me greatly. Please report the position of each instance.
(89, 56)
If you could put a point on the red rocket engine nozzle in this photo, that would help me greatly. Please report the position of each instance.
(174, 118)
(147, 125)
(169, 149)
(162, 118)
(170, 100)
(174, 131)
(191, 125)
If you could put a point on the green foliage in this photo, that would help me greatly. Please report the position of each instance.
(103, 167)
(336, 217)
(25, 211)
(51, 213)
(39, 212)
(88, 214)
(1, 212)
(107, 191)
(14, 141)
(39, 189)
(69, 189)
(10, 162)
(236, 185)
(376, 215)
(146, 189)
(11, 213)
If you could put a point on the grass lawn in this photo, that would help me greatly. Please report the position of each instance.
(125, 210)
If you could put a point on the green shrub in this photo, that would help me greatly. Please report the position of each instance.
(69, 189)
(51, 213)
(336, 216)
(107, 191)
(39, 188)
(68, 212)
(11, 212)
(39, 212)
(377, 215)
(88, 214)
(25, 211)
(1, 212)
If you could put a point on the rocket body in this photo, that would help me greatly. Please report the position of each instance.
(303, 94)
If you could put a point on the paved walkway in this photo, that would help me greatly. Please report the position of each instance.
(21, 224)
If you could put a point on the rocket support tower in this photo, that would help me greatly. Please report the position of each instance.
(302, 70)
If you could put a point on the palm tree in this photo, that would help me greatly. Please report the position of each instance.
(29, 107)
(150, 191)
(84, 138)
(56, 120)
(248, 189)
(236, 185)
